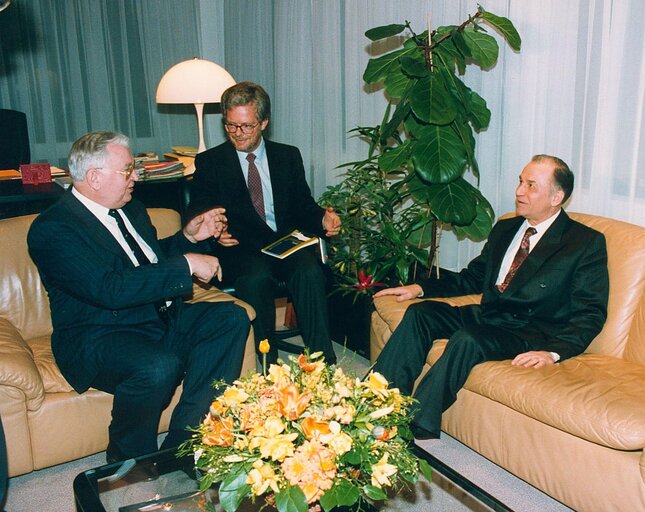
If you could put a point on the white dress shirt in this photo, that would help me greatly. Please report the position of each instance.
(262, 163)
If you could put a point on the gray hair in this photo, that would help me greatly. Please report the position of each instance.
(90, 151)
(245, 93)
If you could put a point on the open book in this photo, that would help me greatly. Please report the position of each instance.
(289, 244)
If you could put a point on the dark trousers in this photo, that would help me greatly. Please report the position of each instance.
(469, 342)
(204, 342)
(3, 467)
(255, 278)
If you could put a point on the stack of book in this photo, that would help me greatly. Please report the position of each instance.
(160, 170)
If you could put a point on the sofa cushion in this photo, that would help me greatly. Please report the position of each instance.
(53, 380)
(596, 397)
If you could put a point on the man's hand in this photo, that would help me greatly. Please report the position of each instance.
(534, 359)
(226, 239)
(204, 267)
(331, 222)
(411, 291)
(206, 225)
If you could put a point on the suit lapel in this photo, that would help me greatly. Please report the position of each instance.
(498, 250)
(549, 244)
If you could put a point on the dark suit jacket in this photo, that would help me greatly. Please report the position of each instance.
(218, 180)
(94, 290)
(558, 298)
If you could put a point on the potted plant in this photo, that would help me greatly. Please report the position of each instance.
(413, 181)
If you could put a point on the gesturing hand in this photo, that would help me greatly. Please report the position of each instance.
(533, 359)
(206, 225)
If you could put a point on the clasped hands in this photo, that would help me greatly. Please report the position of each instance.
(209, 224)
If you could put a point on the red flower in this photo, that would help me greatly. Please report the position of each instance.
(365, 282)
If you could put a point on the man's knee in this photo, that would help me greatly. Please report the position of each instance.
(161, 372)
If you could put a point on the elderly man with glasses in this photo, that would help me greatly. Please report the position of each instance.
(262, 186)
(115, 293)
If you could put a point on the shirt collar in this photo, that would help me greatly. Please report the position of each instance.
(544, 225)
(259, 152)
(98, 210)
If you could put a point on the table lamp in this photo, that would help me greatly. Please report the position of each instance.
(195, 81)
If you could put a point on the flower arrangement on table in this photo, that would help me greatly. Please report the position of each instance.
(305, 436)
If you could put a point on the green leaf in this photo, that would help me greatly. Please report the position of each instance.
(466, 135)
(431, 102)
(347, 493)
(395, 158)
(479, 229)
(438, 154)
(426, 469)
(374, 34)
(454, 203)
(414, 65)
(379, 68)
(233, 489)
(396, 83)
(291, 499)
(401, 112)
(402, 269)
(374, 493)
(505, 28)
(483, 48)
(460, 43)
(421, 237)
(479, 113)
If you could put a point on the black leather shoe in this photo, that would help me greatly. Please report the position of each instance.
(422, 433)
(129, 471)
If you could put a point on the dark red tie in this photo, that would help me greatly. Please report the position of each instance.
(520, 256)
(255, 186)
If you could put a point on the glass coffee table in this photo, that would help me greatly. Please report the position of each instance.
(126, 487)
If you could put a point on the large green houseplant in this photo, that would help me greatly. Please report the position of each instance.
(413, 181)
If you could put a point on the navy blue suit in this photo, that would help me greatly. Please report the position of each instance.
(219, 181)
(557, 302)
(107, 331)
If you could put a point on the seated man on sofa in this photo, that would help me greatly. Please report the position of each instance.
(115, 290)
(545, 287)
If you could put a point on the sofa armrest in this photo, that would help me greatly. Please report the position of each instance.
(209, 293)
(17, 366)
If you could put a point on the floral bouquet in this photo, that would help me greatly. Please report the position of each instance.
(305, 436)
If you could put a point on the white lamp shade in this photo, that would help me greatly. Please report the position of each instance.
(194, 81)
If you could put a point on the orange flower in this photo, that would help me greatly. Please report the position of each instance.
(291, 403)
(314, 428)
(220, 432)
(305, 365)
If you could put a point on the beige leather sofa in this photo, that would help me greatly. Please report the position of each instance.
(45, 421)
(575, 430)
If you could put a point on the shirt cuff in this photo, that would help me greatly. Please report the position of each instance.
(555, 356)
(190, 269)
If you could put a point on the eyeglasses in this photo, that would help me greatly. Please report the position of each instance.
(127, 172)
(246, 128)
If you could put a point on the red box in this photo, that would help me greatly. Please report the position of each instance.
(35, 174)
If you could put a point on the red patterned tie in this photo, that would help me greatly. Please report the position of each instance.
(520, 256)
(255, 186)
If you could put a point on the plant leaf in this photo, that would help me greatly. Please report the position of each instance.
(233, 489)
(401, 112)
(479, 113)
(347, 493)
(414, 65)
(426, 469)
(396, 83)
(374, 493)
(395, 158)
(438, 154)
(374, 34)
(431, 102)
(505, 28)
(379, 68)
(454, 203)
(291, 499)
(479, 229)
(483, 48)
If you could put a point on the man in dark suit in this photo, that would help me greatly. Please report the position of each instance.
(262, 186)
(115, 294)
(545, 287)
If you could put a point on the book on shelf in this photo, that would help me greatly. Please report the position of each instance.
(287, 245)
